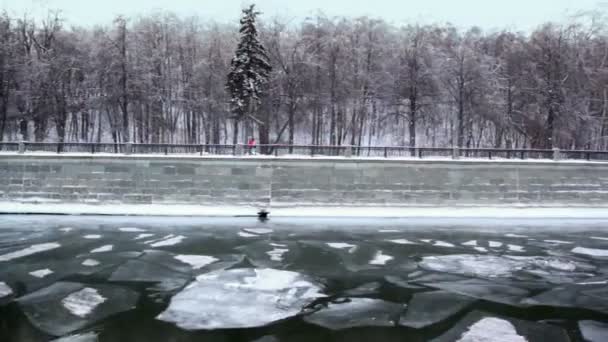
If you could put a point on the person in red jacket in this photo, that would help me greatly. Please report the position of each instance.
(251, 145)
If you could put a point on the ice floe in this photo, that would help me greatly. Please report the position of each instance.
(481, 249)
(169, 242)
(471, 243)
(594, 252)
(143, 236)
(196, 261)
(516, 248)
(340, 245)
(65, 307)
(41, 273)
(247, 235)
(593, 331)
(5, 290)
(443, 244)
(380, 259)
(403, 242)
(258, 231)
(103, 249)
(240, 298)
(357, 312)
(92, 237)
(277, 254)
(88, 337)
(558, 242)
(131, 230)
(363, 290)
(90, 263)
(34, 249)
(489, 266)
(428, 308)
(517, 236)
(495, 244)
(147, 272)
(66, 229)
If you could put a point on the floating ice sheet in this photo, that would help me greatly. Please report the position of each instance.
(103, 249)
(593, 331)
(258, 231)
(131, 230)
(380, 259)
(5, 290)
(83, 302)
(357, 312)
(430, 308)
(88, 337)
(169, 241)
(41, 273)
(594, 252)
(403, 242)
(240, 298)
(65, 307)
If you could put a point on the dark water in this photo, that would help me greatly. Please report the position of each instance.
(543, 276)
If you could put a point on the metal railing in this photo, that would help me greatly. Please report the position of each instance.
(302, 150)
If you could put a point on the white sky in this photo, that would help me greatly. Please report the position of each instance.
(489, 14)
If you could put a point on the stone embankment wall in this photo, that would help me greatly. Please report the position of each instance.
(305, 182)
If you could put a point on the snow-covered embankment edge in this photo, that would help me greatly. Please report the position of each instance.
(566, 212)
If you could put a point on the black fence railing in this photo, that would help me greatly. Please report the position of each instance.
(302, 150)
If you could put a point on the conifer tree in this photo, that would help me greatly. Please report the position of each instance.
(249, 72)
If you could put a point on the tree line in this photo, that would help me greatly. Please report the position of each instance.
(341, 81)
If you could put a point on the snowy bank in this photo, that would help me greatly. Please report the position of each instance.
(506, 212)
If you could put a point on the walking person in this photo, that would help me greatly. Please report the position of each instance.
(251, 146)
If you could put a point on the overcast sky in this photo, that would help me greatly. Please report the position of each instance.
(489, 14)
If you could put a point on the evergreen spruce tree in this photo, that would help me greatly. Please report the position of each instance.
(249, 72)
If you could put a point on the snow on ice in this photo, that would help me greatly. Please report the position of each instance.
(591, 251)
(489, 329)
(196, 261)
(380, 259)
(34, 249)
(169, 242)
(41, 273)
(103, 249)
(83, 302)
(5, 290)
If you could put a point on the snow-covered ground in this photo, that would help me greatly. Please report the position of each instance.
(321, 212)
(297, 157)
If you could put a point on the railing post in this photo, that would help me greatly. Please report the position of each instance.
(556, 154)
(348, 151)
(419, 153)
(93, 148)
(490, 155)
(128, 148)
(21, 147)
(456, 153)
(385, 152)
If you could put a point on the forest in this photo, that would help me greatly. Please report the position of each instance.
(161, 78)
